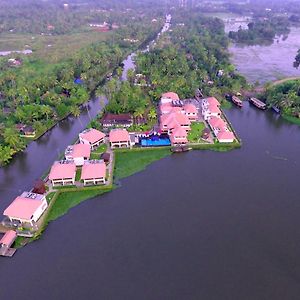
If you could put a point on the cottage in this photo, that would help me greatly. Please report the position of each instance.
(210, 108)
(178, 136)
(93, 172)
(168, 97)
(225, 136)
(217, 124)
(63, 173)
(78, 153)
(28, 131)
(119, 138)
(117, 120)
(191, 111)
(26, 209)
(170, 121)
(92, 137)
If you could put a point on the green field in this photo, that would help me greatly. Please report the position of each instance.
(53, 48)
(130, 162)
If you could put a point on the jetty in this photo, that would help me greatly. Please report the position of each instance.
(258, 103)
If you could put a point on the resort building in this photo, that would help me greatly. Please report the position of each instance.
(26, 209)
(225, 136)
(168, 97)
(78, 153)
(220, 130)
(119, 138)
(92, 137)
(170, 121)
(210, 108)
(117, 120)
(63, 173)
(93, 172)
(191, 111)
(178, 136)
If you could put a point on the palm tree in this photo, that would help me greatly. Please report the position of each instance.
(11, 137)
(152, 115)
(75, 111)
(6, 154)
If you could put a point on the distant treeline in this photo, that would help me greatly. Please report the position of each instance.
(261, 30)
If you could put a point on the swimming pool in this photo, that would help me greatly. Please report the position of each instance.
(155, 142)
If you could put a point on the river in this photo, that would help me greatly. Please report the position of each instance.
(198, 225)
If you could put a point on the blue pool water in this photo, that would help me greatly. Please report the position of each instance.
(155, 142)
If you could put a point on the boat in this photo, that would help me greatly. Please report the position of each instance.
(258, 103)
(237, 101)
(276, 109)
(179, 149)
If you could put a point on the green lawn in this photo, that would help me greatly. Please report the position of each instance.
(50, 196)
(133, 161)
(195, 132)
(78, 174)
(96, 153)
(67, 200)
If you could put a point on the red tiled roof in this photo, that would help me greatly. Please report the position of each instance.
(190, 108)
(61, 171)
(170, 95)
(216, 122)
(179, 132)
(225, 135)
(8, 238)
(92, 135)
(81, 150)
(118, 135)
(23, 208)
(93, 170)
(173, 120)
(213, 101)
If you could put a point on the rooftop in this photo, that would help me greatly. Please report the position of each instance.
(93, 169)
(118, 135)
(78, 150)
(170, 95)
(62, 169)
(24, 207)
(8, 237)
(92, 135)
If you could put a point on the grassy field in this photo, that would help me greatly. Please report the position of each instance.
(67, 200)
(50, 49)
(291, 119)
(130, 162)
(196, 131)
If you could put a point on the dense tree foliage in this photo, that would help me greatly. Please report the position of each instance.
(39, 94)
(286, 96)
(190, 57)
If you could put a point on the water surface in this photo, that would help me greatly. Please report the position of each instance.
(198, 225)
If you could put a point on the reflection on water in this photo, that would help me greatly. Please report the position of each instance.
(269, 62)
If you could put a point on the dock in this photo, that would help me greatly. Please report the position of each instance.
(8, 252)
(258, 103)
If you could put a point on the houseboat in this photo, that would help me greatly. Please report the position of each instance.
(259, 104)
(237, 101)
